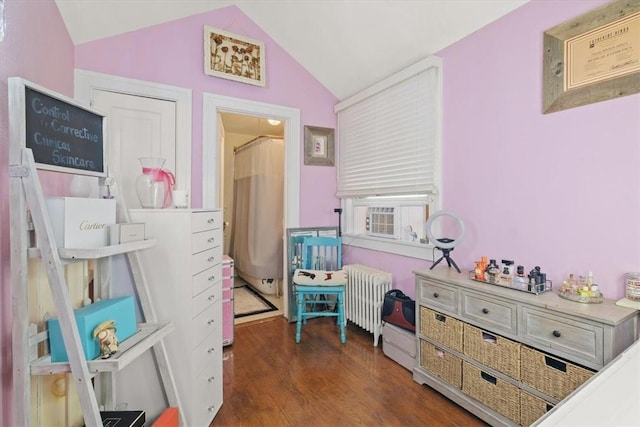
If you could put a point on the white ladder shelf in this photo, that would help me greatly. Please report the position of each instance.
(26, 194)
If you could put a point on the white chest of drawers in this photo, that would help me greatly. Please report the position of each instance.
(479, 338)
(185, 267)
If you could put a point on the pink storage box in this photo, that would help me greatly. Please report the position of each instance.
(227, 300)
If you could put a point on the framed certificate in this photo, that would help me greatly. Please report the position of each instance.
(592, 58)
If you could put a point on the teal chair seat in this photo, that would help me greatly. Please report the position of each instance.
(319, 281)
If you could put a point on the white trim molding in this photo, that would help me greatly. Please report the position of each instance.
(397, 247)
(212, 105)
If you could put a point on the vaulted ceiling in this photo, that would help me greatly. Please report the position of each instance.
(347, 45)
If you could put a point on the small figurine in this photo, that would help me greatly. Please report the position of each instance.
(105, 333)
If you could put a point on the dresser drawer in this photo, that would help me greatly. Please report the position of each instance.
(204, 354)
(205, 279)
(204, 299)
(441, 328)
(205, 240)
(438, 295)
(205, 385)
(492, 350)
(206, 259)
(569, 337)
(202, 221)
(496, 393)
(205, 324)
(552, 376)
(441, 363)
(490, 312)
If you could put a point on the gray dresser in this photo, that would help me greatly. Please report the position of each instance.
(509, 356)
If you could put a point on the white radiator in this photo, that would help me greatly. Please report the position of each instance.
(365, 291)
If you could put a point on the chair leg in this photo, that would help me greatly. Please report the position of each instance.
(341, 319)
(301, 307)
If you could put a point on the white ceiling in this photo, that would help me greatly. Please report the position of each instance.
(348, 45)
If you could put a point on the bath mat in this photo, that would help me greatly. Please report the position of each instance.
(248, 301)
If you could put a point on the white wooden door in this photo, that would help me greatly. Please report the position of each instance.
(137, 127)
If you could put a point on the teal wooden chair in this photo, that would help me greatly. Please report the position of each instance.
(320, 280)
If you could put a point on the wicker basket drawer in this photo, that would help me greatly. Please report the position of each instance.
(444, 365)
(532, 407)
(441, 328)
(492, 350)
(437, 294)
(495, 393)
(552, 376)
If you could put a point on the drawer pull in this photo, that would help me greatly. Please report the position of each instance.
(211, 221)
(436, 295)
(211, 240)
(211, 379)
(211, 322)
(556, 334)
(485, 310)
(211, 297)
(212, 278)
(211, 259)
(555, 364)
(211, 350)
(211, 408)
(441, 318)
(489, 338)
(488, 378)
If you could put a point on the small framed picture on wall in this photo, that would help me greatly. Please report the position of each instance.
(318, 146)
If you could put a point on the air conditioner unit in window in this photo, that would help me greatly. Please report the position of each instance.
(383, 222)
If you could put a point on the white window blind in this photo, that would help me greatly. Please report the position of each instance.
(389, 141)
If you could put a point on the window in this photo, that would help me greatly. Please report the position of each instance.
(389, 160)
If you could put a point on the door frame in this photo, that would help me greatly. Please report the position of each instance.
(212, 106)
(87, 81)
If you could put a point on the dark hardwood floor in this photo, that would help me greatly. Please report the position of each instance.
(271, 381)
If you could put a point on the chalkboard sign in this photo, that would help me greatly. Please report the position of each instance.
(62, 135)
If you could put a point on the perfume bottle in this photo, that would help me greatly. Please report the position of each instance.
(492, 271)
(520, 282)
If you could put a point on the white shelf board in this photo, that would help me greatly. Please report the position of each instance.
(147, 336)
(96, 253)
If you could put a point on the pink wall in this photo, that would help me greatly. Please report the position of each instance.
(558, 190)
(172, 53)
(561, 190)
(39, 49)
(36, 47)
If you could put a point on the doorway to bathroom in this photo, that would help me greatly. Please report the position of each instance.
(253, 205)
(214, 153)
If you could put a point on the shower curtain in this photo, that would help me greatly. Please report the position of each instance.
(258, 208)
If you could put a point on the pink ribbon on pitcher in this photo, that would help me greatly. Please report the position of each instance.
(163, 175)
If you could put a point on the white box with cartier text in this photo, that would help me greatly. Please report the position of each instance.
(80, 223)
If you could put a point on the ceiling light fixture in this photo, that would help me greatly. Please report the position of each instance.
(273, 122)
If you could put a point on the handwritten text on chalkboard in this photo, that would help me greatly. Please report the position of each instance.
(63, 135)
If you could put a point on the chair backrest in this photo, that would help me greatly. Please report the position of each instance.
(322, 253)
